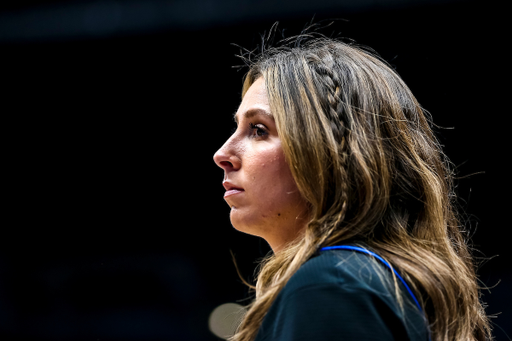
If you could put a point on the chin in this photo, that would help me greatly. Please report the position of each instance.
(244, 223)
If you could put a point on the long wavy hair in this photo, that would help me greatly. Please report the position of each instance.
(363, 155)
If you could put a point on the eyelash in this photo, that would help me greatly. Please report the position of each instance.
(258, 130)
(253, 127)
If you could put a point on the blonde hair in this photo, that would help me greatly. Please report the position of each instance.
(363, 155)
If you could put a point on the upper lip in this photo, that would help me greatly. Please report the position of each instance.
(229, 186)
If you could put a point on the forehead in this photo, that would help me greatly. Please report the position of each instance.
(255, 99)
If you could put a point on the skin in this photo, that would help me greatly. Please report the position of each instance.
(266, 201)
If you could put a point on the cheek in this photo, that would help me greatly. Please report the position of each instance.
(274, 183)
(272, 199)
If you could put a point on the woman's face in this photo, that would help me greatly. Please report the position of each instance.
(260, 189)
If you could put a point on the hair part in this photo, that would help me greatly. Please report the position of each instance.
(364, 157)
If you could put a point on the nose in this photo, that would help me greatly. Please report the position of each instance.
(227, 158)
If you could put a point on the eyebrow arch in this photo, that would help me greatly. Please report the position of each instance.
(253, 112)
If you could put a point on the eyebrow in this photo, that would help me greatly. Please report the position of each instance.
(253, 112)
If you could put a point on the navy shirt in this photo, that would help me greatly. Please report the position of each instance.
(342, 295)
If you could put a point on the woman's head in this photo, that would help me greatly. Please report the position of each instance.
(357, 142)
(260, 189)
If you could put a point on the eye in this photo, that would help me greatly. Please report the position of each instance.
(258, 130)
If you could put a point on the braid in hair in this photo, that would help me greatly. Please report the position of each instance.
(334, 112)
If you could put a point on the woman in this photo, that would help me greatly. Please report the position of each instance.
(332, 149)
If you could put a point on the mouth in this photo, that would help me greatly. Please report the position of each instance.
(232, 192)
(231, 189)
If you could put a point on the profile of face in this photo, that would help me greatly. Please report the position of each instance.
(260, 188)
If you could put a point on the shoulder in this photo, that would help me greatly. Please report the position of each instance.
(337, 293)
(342, 269)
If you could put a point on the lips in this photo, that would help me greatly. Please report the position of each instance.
(231, 189)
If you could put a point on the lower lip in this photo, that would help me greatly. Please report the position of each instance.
(232, 192)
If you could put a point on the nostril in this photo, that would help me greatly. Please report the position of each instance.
(226, 159)
(226, 164)
(220, 158)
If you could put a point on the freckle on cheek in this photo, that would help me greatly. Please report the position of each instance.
(279, 214)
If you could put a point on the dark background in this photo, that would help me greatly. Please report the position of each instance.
(115, 227)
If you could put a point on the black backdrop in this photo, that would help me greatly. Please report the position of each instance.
(115, 224)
